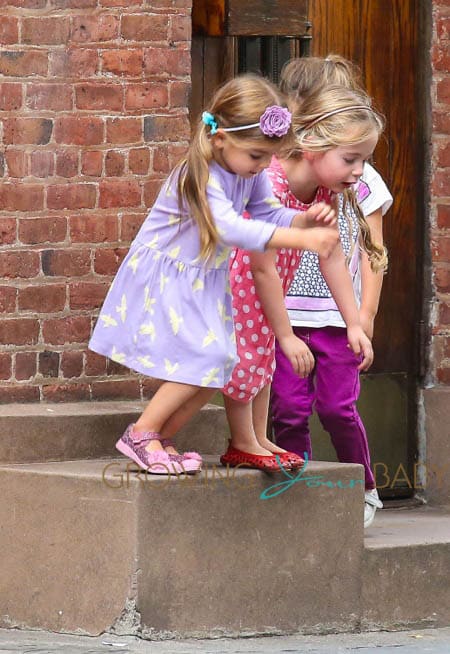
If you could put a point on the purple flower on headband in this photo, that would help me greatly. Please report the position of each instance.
(275, 121)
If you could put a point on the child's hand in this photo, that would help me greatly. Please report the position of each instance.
(322, 240)
(319, 214)
(298, 353)
(367, 323)
(360, 344)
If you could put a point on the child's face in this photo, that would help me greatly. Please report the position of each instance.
(341, 167)
(244, 161)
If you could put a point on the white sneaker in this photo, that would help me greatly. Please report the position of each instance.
(371, 503)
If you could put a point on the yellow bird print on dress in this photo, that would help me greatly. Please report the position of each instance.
(180, 266)
(122, 308)
(246, 201)
(175, 320)
(174, 252)
(210, 377)
(108, 321)
(198, 285)
(162, 282)
(133, 263)
(209, 338)
(170, 367)
(168, 191)
(146, 362)
(173, 219)
(149, 301)
(119, 357)
(153, 243)
(214, 183)
(222, 311)
(222, 257)
(157, 256)
(273, 202)
(148, 329)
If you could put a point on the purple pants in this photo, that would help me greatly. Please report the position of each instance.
(331, 390)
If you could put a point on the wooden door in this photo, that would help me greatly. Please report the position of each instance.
(386, 39)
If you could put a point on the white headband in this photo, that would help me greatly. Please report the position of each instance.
(337, 111)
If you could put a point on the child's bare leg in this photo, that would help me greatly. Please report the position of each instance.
(185, 412)
(168, 399)
(260, 415)
(239, 416)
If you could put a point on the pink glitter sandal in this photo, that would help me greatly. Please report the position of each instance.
(133, 443)
(191, 461)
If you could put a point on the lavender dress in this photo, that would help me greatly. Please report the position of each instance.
(167, 314)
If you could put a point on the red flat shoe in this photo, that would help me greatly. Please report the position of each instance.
(291, 460)
(234, 457)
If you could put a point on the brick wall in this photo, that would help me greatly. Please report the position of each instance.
(93, 97)
(440, 191)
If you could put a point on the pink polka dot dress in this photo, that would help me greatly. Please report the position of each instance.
(255, 339)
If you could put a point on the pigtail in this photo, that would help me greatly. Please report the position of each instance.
(378, 255)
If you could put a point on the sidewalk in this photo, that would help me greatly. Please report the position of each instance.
(429, 641)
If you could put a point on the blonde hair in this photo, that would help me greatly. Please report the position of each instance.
(240, 101)
(317, 129)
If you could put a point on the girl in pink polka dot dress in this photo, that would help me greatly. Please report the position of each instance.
(259, 283)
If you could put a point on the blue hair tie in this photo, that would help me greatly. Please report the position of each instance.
(209, 120)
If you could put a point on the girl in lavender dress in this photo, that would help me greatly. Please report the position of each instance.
(168, 313)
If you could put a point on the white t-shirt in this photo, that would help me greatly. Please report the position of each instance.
(309, 301)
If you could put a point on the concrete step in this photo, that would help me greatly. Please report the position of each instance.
(34, 433)
(89, 546)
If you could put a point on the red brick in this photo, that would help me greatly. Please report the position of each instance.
(72, 4)
(161, 159)
(130, 225)
(151, 190)
(47, 298)
(117, 389)
(24, 4)
(443, 155)
(441, 121)
(443, 26)
(108, 260)
(35, 131)
(165, 128)
(5, 366)
(66, 263)
(21, 197)
(114, 368)
(173, 61)
(177, 152)
(440, 248)
(19, 264)
(97, 28)
(19, 331)
(114, 163)
(65, 392)
(443, 375)
(92, 163)
(17, 394)
(8, 228)
(146, 96)
(26, 365)
(442, 279)
(71, 196)
(2, 164)
(76, 63)
(51, 30)
(42, 230)
(71, 364)
(443, 215)
(441, 182)
(145, 27)
(53, 97)
(72, 329)
(179, 94)
(443, 90)
(18, 63)
(93, 228)
(124, 130)
(139, 161)
(87, 295)
(8, 297)
(16, 162)
(441, 58)
(48, 364)
(149, 387)
(95, 364)
(121, 3)
(120, 193)
(42, 164)
(67, 163)
(125, 63)
(10, 96)
(79, 130)
(99, 97)
(180, 28)
(9, 30)
(444, 314)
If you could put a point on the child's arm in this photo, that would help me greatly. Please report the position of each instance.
(270, 293)
(371, 282)
(322, 240)
(337, 277)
